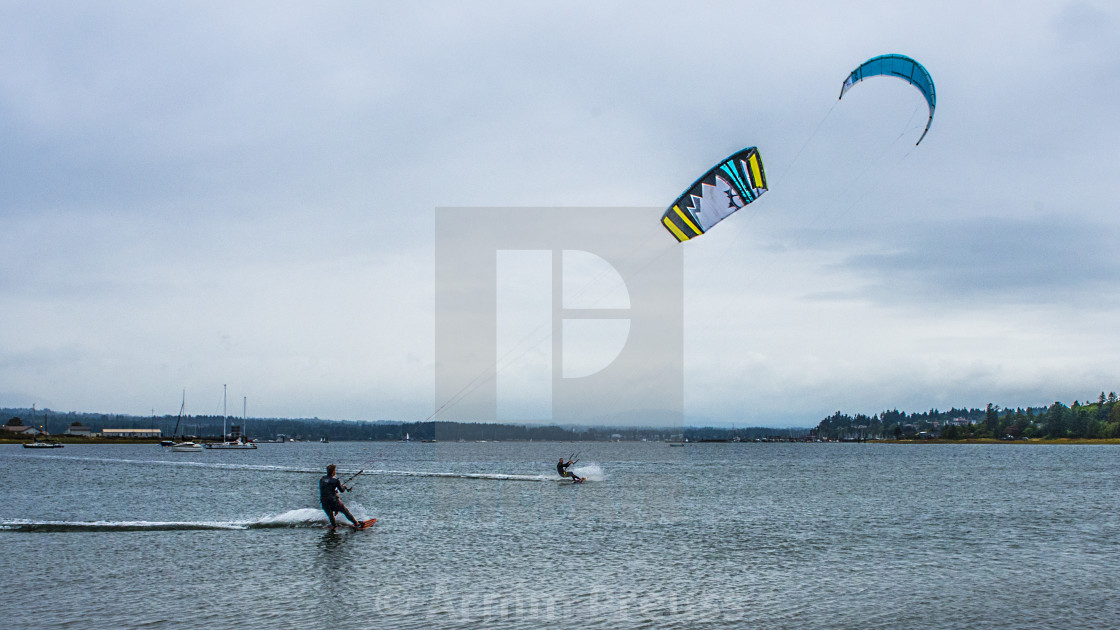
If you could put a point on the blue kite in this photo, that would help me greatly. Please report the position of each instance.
(902, 67)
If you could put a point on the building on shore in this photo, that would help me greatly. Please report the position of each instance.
(132, 433)
(79, 430)
(16, 428)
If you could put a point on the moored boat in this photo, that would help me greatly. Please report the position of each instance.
(181, 444)
(43, 444)
(238, 443)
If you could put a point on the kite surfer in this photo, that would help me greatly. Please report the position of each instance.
(562, 468)
(329, 487)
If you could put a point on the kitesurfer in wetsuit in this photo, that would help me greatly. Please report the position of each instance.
(329, 487)
(562, 468)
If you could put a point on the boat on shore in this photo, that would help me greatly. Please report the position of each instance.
(43, 444)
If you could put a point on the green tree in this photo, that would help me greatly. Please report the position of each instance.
(1078, 424)
(1056, 421)
(991, 420)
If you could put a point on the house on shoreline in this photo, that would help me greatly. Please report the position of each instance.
(132, 433)
(79, 430)
(16, 428)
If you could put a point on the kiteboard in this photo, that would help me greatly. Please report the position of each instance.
(361, 525)
(579, 480)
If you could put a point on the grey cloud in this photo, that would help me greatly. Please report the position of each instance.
(1050, 260)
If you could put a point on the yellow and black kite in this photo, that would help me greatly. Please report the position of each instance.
(728, 186)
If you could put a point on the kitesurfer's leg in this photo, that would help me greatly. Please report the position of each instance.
(330, 514)
(342, 508)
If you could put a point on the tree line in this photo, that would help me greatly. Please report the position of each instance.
(210, 427)
(1099, 419)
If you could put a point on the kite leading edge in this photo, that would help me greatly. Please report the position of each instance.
(902, 67)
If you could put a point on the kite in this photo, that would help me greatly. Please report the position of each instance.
(727, 187)
(902, 67)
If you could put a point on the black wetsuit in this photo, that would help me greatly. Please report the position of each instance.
(329, 487)
(562, 468)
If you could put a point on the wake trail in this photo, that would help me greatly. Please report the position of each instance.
(164, 462)
(591, 471)
(457, 475)
(292, 519)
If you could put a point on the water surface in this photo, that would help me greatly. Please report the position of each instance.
(710, 535)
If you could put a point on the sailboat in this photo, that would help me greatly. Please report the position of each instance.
(239, 443)
(179, 445)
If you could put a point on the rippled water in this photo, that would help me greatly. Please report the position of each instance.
(477, 535)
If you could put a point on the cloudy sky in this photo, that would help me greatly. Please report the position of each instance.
(198, 194)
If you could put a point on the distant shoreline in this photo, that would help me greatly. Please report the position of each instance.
(83, 440)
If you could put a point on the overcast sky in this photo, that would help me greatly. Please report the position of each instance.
(197, 194)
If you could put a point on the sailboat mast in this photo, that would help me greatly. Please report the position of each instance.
(224, 413)
(182, 406)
